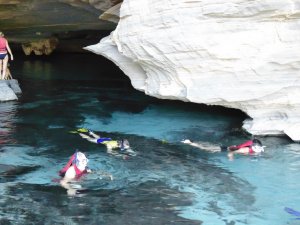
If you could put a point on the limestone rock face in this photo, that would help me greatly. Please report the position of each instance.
(112, 14)
(237, 53)
(31, 20)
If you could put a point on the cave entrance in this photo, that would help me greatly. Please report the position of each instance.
(70, 62)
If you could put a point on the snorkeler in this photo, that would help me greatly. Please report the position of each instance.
(250, 147)
(73, 170)
(76, 167)
(108, 142)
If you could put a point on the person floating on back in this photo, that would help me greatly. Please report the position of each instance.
(4, 49)
(253, 146)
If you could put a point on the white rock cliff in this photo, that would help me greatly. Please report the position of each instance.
(236, 53)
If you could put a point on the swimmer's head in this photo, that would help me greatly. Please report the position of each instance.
(256, 142)
(257, 146)
(258, 149)
(81, 161)
(186, 141)
(124, 144)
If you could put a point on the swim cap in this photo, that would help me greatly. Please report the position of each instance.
(81, 161)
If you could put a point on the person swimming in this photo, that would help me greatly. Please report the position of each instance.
(110, 144)
(76, 167)
(250, 147)
(72, 171)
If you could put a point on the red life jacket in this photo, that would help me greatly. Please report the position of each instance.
(3, 45)
(78, 172)
(246, 144)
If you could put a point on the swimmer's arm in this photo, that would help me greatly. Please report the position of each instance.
(94, 135)
(244, 151)
(198, 145)
(194, 144)
(206, 146)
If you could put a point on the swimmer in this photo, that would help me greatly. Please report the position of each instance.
(249, 147)
(73, 170)
(110, 144)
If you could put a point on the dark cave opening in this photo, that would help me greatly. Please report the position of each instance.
(70, 62)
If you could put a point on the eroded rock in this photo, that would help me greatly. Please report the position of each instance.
(239, 54)
(40, 47)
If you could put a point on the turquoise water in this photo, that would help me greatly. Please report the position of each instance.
(166, 183)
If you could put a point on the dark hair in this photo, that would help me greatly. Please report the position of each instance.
(256, 142)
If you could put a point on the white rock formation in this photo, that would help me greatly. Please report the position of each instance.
(236, 53)
(9, 90)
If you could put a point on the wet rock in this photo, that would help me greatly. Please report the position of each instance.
(14, 85)
(7, 93)
(112, 14)
(30, 20)
(40, 47)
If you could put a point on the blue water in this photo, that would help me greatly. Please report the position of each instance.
(166, 183)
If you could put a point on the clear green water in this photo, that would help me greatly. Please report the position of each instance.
(166, 183)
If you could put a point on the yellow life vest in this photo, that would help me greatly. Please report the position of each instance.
(111, 144)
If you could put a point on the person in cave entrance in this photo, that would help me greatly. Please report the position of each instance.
(250, 147)
(4, 49)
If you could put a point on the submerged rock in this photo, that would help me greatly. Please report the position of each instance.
(236, 54)
(9, 90)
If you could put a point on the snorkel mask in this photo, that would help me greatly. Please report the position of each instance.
(124, 144)
(258, 149)
(257, 146)
(81, 161)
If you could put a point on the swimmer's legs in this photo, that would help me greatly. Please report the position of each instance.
(71, 191)
(224, 148)
(4, 67)
(206, 146)
(88, 138)
(94, 135)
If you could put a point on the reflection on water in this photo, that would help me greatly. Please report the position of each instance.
(42, 70)
(165, 183)
(7, 117)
